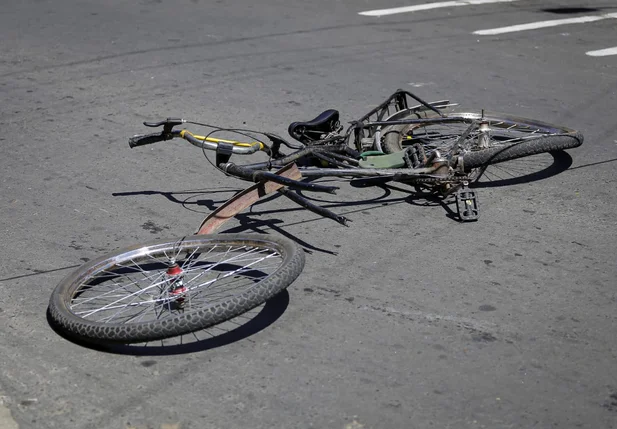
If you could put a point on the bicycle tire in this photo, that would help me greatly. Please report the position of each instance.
(511, 137)
(109, 299)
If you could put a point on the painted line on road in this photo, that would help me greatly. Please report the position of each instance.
(603, 52)
(428, 6)
(544, 24)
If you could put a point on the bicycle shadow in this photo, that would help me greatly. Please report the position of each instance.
(249, 220)
(237, 329)
(248, 223)
(518, 171)
(510, 173)
(208, 203)
(513, 172)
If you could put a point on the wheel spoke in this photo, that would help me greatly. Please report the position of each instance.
(137, 288)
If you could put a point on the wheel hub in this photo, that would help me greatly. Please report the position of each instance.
(175, 286)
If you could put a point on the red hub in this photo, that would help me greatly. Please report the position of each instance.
(179, 294)
(177, 290)
(174, 270)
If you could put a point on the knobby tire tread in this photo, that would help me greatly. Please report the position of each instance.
(529, 147)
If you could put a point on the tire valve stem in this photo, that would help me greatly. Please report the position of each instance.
(175, 280)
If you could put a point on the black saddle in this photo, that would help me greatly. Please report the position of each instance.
(316, 129)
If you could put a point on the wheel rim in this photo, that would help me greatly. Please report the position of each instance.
(163, 281)
(502, 131)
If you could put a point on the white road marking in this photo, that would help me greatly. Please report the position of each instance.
(420, 84)
(544, 24)
(603, 52)
(427, 6)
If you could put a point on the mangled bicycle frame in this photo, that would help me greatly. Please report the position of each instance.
(356, 153)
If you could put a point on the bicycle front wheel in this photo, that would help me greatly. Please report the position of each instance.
(173, 287)
(482, 138)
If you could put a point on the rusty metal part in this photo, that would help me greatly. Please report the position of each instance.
(244, 199)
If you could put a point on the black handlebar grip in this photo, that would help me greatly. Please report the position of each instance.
(144, 139)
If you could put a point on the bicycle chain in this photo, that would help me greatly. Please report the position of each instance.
(467, 178)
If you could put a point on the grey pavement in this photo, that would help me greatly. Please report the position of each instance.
(407, 319)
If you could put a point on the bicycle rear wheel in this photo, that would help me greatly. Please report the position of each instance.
(482, 138)
(167, 288)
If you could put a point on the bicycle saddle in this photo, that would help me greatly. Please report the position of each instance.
(306, 132)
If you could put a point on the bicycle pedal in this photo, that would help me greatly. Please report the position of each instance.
(467, 205)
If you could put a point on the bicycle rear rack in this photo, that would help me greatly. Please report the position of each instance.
(395, 105)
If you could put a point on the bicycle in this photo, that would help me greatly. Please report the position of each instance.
(167, 288)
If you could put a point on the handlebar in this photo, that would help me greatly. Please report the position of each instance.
(144, 139)
(210, 143)
(226, 147)
(203, 142)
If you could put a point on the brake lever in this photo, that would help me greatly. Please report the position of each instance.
(167, 124)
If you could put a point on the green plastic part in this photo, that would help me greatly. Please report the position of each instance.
(392, 160)
(363, 155)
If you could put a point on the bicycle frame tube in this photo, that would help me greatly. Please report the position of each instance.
(244, 199)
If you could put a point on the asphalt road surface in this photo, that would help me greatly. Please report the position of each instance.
(407, 319)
